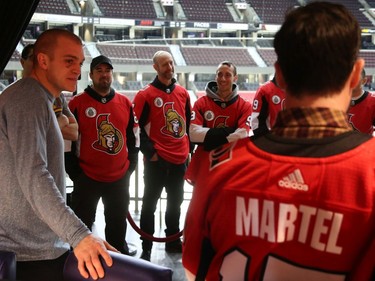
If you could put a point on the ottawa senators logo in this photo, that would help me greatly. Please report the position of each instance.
(221, 121)
(221, 155)
(174, 123)
(350, 120)
(110, 140)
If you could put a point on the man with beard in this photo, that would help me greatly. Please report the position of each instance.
(163, 109)
(108, 152)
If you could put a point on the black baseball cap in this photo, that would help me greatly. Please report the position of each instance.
(99, 60)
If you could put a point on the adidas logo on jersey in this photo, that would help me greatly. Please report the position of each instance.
(294, 181)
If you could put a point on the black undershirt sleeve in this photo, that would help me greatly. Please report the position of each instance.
(216, 137)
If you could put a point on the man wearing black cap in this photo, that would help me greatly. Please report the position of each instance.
(107, 152)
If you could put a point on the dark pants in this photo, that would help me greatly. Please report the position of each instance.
(115, 197)
(45, 270)
(157, 175)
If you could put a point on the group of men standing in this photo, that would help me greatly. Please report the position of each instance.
(109, 130)
(160, 117)
(162, 123)
(158, 120)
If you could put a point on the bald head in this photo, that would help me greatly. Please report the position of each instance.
(160, 54)
(164, 66)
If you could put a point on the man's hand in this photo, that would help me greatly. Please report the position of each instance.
(88, 252)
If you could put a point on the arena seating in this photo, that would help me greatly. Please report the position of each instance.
(369, 57)
(155, 40)
(206, 10)
(212, 56)
(140, 9)
(268, 55)
(105, 37)
(130, 54)
(53, 7)
(265, 43)
(196, 51)
(200, 85)
(27, 35)
(248, 86)
(232, 43)
(133, 85)
(354, 7)
(367, 44)
(272, 11)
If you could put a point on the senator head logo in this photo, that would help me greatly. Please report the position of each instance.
(174, 123)
(110, 140)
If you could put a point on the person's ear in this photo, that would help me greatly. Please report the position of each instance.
(279, 76)
(42, 60)
(355, 76)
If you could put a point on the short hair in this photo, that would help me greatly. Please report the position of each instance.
(316, 47)
(230, 64)
(48, 40)
(26, 51)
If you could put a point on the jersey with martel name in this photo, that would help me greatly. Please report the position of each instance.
(272, 217)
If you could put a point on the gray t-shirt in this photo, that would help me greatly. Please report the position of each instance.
(35, 222)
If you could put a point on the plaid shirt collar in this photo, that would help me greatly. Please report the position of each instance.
(311, 123)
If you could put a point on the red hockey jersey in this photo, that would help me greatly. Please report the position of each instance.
(258, 216)
(166, 121)
(268, 101)
(104, 132)
(209, 114)
(361, 113)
